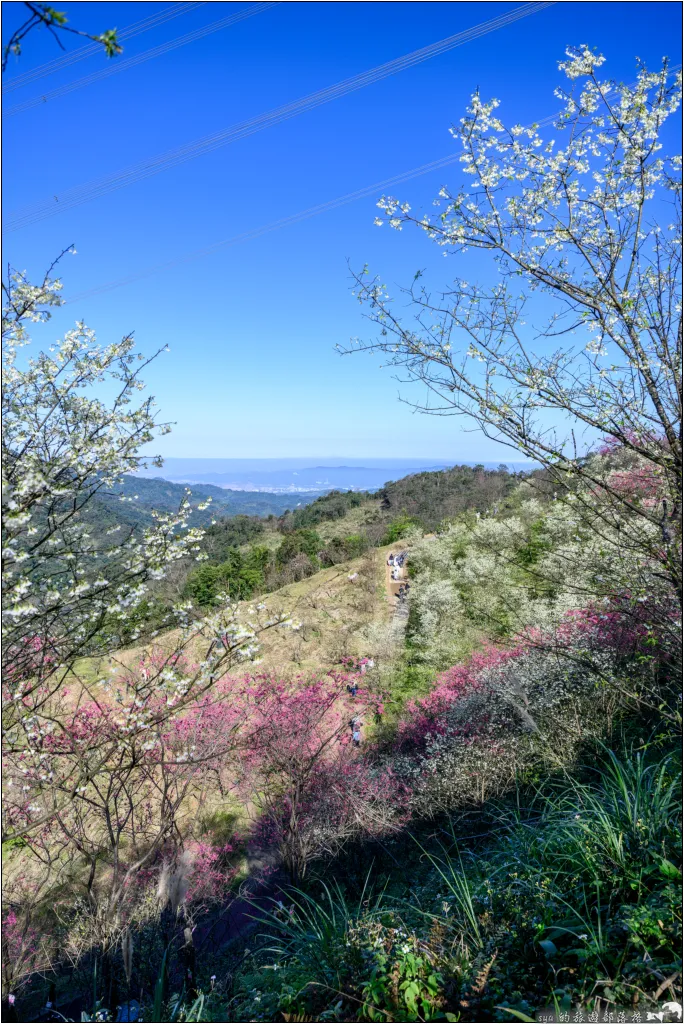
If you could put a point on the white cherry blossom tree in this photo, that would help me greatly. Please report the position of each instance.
(575, 348)
(104, 757)
(74, 422)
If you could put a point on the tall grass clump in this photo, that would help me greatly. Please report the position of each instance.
(564, 893)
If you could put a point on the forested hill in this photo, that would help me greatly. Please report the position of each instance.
(428, 498)
(141, 495)
(246, 556)
(432, 497)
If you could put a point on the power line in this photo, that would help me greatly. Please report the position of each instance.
(156, 51)
(136, 29)
(284, 222)
(172, 158)
(295, 218)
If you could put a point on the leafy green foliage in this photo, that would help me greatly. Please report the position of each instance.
(398, 528)
(239, 576)
(299, 542)
(341, 549)
(230, 532)
(403, 981)
(431, 497)
(328, 507)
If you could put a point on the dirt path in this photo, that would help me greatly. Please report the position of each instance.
(399, 608)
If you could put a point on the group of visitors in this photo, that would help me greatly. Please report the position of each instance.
(396, 563)
(355, 722)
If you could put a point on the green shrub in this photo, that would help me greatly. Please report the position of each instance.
(306, 542)
(240, 576)
(329, 507)
(398, 528)
(203, 584)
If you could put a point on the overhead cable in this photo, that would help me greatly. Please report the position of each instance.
(275, 225)
(116, 66)
(98, 187)
(295, 218)
(73, 56)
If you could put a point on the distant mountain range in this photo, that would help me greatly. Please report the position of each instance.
(302, 476)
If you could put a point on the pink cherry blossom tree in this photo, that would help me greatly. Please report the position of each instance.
(312, 787)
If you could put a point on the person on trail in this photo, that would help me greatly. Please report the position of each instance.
(221, 638)
(352, 688)
(356, 737)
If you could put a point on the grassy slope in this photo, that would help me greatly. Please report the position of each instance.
(327, 530)
(330, 607)
(352, 522)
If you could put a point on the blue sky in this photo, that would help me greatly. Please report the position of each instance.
(252, 328)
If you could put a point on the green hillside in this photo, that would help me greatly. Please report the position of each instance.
(134, 499)
(246, 556)
(433, 497)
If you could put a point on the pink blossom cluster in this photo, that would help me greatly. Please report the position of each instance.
(427, 717)
(32, 659)
(619, 628)
(213, 873)
(22, 950)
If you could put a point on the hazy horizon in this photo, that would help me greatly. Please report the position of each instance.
(299, 475)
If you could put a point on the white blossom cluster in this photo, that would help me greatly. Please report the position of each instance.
(497, 575)
(531, 710)
(62, 447)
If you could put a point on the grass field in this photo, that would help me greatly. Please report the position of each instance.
(344, 610)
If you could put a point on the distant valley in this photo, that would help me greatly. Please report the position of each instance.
(133, 500)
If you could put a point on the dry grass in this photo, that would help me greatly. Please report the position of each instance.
(332, 610)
